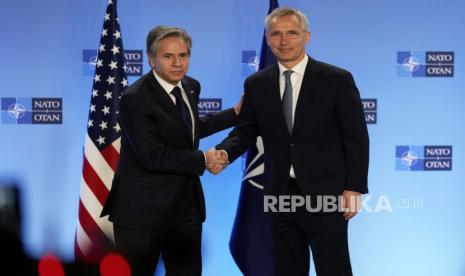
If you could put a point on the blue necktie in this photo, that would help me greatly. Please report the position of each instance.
(287, 100)
(182, 109)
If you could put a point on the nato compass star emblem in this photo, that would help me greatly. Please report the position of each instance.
(16, 111)
(254, 63)
(409, 158)
(411, 64)
(92, 62)
(254, 171)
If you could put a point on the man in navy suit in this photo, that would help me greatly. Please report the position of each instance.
(156, 201)
(312, 123)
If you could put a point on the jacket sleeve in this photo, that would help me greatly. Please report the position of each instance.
(211, 124)
(246, 131)
(218, 122)
(152, 153)
(354, 135)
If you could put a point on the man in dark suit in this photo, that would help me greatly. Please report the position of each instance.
(313, 128)
(156, 201)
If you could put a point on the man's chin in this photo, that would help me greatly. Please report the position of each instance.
(285, 58)
(177, 76)
(175, 79)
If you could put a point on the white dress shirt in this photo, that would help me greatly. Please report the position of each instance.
(296, 81)
(168, 87)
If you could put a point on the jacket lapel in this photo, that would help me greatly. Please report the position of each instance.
(309, 84)
(276, 99)
(191, 96)
(162, 96)
(168, 104)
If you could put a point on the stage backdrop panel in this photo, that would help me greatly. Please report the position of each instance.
(407, 58)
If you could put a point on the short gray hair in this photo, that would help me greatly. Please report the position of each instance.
(161, 32)
(286, 11)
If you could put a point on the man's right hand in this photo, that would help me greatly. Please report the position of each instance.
(216, 160)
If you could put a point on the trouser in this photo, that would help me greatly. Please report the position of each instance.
(293, 233)
(179, 246)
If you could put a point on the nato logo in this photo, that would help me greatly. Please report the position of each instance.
(424, 158)
(250, 62)
(133, 62)
(209, 106)
(370, 107)
(416, 64)
(32, 111)
(89, 59)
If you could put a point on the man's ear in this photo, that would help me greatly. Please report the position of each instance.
(149, 58)
(308, 36)
(267, 40)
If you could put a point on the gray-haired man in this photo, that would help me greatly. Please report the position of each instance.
(315, 138)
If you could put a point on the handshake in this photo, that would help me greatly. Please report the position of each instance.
(216, 160)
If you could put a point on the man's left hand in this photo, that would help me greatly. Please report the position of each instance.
(351, 204)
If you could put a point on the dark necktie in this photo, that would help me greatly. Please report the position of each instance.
(287, 100)
(182, 109)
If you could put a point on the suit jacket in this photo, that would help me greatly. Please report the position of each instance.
(159, 167)
(328, 146)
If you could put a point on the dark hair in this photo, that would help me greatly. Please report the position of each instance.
(161, 32)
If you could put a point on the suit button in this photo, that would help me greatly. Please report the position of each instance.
(292, 145)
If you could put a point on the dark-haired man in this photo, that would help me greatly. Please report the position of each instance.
(156, 202)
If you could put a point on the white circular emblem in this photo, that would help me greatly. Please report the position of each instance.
(92, 62)
(254, 63)
(409, 158)
(16, 111)
(411, 64)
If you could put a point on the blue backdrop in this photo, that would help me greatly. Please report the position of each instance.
(418, 227)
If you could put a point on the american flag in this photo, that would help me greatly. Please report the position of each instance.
(94, 235)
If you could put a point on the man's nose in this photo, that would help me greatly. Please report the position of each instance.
(284, 39)
(177, 61)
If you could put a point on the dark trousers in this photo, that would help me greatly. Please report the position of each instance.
(179, 246)
(293, 233)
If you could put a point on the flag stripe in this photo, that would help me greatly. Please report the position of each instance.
(78, 245)
(94, 208)
(83, 241)
(117, 144)
(100, 243)
(85, 218)
(98, 163)
(111, 156)
(98, 188)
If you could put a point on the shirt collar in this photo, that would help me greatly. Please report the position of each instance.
(166, 85)
(299, 68)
